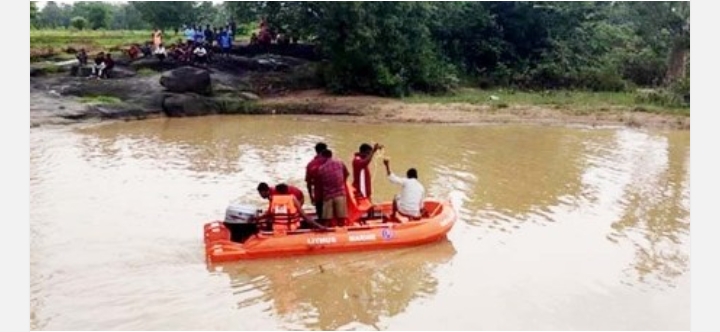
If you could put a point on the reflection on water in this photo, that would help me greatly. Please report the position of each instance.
(559, 228)
(353, 290)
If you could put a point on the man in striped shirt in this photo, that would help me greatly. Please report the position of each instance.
(332, 175)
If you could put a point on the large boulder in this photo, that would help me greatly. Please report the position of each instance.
(153, 63)
(179, 105)
(187, 79)
(80, 70)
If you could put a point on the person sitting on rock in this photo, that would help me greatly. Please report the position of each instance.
(133, 52)
(99, 65)
(201, 54)
(109, 65)
(82, 57)
(160, 52)
(146, 50)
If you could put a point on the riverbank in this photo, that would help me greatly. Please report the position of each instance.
(474, 106)
(267, 84)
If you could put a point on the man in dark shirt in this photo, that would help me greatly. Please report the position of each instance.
(109, 65)
(313, 186)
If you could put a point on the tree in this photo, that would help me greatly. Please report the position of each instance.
(79, 22)
(167, 14)
(126, 17)
(33, 13)
(96, 13)
(51, 16)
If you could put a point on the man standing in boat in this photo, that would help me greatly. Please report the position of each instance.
(332, 176)
(409, 203)
(313, 186)
(361, 170)
(267, 192)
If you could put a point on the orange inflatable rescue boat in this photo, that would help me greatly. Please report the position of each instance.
(240, 237)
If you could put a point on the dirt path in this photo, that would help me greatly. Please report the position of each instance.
(378, 110)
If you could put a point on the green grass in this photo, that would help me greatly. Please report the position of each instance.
(61, 38)
(572, 101)
(53, 43)
(99, 100)
(146, 72)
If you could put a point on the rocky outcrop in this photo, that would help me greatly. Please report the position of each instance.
(187, 79)
(230, 85)
(86, 71)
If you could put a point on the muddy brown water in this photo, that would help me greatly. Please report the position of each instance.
(559, 228)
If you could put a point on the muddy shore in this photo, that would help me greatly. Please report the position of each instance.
(283, 85)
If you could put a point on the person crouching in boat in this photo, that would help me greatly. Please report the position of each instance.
(267, 192)
(285, 211)
(409, 203)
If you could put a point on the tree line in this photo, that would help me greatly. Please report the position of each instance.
(396, 48)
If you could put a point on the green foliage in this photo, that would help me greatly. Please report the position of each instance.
(54, 16)
(33, 12)
(127, 17)
(380, 47)
(396, 48)
(79, 22)
(97, 13)
(167, 14)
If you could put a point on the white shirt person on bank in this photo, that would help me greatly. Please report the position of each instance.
(409, 202)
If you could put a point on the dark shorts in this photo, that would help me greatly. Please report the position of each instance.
(318, 209)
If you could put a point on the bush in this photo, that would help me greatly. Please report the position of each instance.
(79, 22)
(644, 70)
(603, 79)
(661, 97)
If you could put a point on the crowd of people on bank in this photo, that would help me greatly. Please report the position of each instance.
(197, 45)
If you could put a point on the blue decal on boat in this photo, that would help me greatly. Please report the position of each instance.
(387, 234)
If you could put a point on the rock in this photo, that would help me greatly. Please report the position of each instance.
(117, 72)
(223, 88)
(179, 105)
(80, 71)
(249, 95)
(120, 111)
(152, 63)
(187, 79)
(122, 72)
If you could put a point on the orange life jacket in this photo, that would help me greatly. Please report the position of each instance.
(285, 215)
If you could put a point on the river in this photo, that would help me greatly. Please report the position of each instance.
(559, 228)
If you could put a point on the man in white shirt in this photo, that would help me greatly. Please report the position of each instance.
(160, 52)
(200, 54)
(409, 202)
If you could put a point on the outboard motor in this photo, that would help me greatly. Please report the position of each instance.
(241, 221)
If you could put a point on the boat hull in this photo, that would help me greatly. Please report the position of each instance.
(374, 235)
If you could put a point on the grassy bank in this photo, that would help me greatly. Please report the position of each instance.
(579, 102)
(54, 43)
